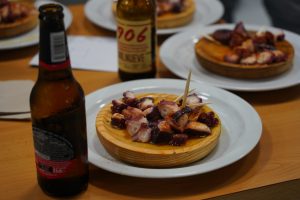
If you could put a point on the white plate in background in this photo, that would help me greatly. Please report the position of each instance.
(32, 37)
(207, 12)
(178, 55)
(238, 137)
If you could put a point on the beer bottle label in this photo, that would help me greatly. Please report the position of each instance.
(58, 47)
(54, 155)
(134, 45)
(58, 52)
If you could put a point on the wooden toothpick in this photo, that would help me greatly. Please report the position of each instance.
(181, 96)
(186, 91)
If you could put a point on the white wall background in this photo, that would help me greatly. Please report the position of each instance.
(251, 12)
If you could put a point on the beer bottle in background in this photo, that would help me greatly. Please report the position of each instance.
(136, 34)
(58, 112)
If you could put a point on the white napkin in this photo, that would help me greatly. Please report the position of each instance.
(23, 116)
(14, 96)
(14, 99)
(91, 53)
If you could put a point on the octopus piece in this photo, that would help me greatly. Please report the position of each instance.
(179, 119)
(245, 49)
(265, 57)
(161, 133)
(131, 112)
(165, 6)
(249, 45)
(197, 129)
(118, 121)
(5, 13)
(241, 30)
(130, 99)
(258, 39)
(177, 6)
(133, 125)
(167, 108)
(160, 137)
(270, 38)
(193, 99)
(260, 47)
(265, 37)
(180, 113)
(280, 36)
(250, 60)
(222, 35)
(208, 118)
(195, 103)
(178, 139)
(143, 134)
(10, 12)
(146, 102)
(152, 114)
(118, 106)
(164, 126)
(279, 56)
(232, 58)
(128, 95)
(193, 116)
(239, 35)
(242, 52)
(236, 40)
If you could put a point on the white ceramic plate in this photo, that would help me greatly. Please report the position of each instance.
(241, 128)
(32, 37)
(178, 55)
(207, 11)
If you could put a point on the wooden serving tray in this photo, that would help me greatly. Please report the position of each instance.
(171, 20)
(118, 143)
(21, 25)
(210, 55)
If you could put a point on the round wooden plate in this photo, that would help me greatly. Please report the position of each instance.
(21, 25)
(172, 20)
(210, 55)
(118, 143)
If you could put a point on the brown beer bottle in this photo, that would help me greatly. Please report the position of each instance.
(136, 34)
(58, 112)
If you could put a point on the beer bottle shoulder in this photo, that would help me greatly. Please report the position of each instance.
(55, 96)
(136, 10)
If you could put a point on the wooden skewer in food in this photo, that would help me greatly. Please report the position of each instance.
(186, 91)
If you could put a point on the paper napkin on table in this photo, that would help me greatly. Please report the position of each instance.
(21, 116)
(14, 99)
(91, 53)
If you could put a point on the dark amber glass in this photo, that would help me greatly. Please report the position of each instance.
(58, 113)
(133, 12)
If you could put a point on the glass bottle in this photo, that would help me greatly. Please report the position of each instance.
(136, 34)
(58, 112)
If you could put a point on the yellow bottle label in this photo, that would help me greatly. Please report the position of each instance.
(134, 46)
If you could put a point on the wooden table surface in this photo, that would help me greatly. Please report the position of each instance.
(275, 159)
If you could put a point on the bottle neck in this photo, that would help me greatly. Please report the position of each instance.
(54, 60)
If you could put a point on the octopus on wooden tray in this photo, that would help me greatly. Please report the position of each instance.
(157, 130)
(240, 53)
(16, 18)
